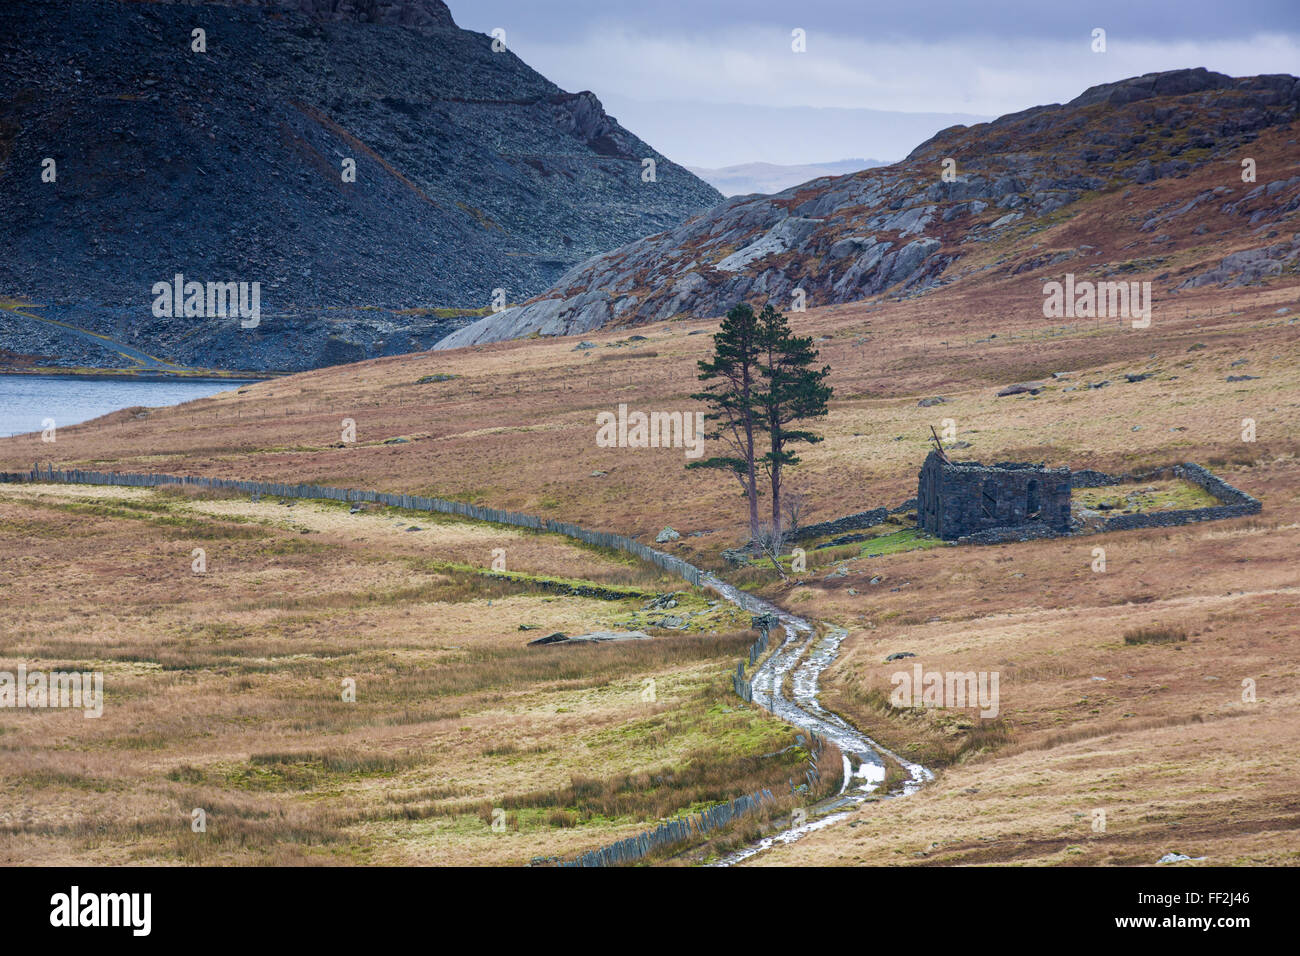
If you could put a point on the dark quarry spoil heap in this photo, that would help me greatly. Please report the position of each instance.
(960, 498)
(473, 173)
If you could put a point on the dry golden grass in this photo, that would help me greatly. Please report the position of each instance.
(1156, 733)
(223, 690)
(1164, 744)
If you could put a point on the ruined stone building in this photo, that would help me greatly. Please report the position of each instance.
(958, 498)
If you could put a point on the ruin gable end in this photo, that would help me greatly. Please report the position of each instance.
(959, 498)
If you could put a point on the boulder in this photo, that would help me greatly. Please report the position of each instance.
(1021, 388)
(594, 637)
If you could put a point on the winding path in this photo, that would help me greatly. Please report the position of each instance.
(807, 655)
(142, 360)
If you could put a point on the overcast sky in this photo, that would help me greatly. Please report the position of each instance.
(980, 59)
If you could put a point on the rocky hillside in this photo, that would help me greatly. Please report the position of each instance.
(1016, 186)
(473, 173)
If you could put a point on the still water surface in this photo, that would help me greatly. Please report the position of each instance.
(27, 400)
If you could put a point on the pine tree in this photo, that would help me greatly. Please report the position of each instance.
(734, 376)
(791, 391)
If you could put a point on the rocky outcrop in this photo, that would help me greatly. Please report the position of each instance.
(1250, 265)
(595, 637)
(899, 230)
(787, 234)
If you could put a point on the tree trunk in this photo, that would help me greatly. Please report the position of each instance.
(750, 455)
(752, 482)
(776, 498)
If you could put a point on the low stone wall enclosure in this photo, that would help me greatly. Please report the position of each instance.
(972, 503)
(1233, 503)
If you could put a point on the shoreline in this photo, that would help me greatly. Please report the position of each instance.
(152, 375)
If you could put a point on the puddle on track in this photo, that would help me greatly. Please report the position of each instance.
(807, 654)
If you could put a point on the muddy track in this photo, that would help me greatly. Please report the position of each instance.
(141, 360)
(803, 655)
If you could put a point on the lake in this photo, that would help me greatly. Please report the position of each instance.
(27, 400)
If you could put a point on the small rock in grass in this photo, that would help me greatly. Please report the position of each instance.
(1021, 388)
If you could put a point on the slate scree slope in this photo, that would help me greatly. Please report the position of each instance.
(473, 173)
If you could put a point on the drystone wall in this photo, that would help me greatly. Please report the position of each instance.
(1234, 503)
(604, 539)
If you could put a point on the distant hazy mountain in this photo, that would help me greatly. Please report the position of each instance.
(770, 178)
(717, 135)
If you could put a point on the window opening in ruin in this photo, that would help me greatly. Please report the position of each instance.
(989, 498)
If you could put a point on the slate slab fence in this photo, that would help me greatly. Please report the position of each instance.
(763, 623)
(672, 832)
(604, 539)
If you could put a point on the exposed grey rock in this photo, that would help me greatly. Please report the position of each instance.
(847, 238)
(785, 235)
(908, 222)
(594, 637)
(850, 246)
(671, 622)
(857, 277)
(1020, 388)
(586, 312)
(1249, 265)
